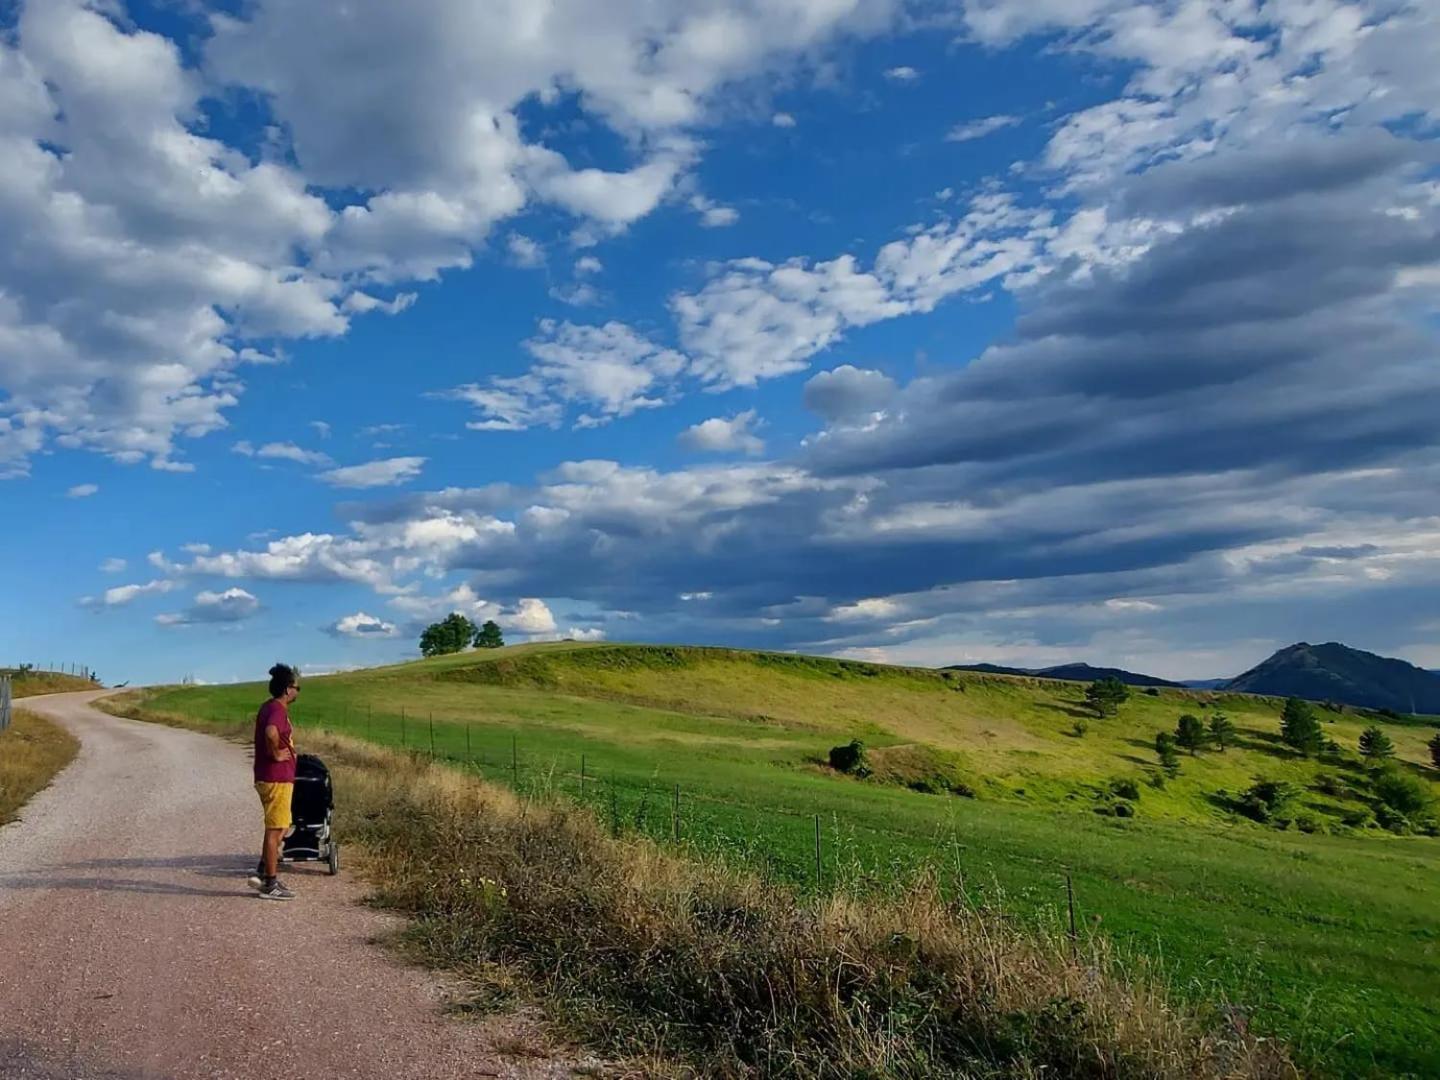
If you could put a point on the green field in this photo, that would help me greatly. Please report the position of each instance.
(1329, 941)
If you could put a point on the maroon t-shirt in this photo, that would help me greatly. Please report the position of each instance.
(267, 769)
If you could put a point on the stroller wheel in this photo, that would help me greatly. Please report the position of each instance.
(334, 858)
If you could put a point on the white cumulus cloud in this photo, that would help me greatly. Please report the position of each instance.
(361, 625)
(722, 435)
(384, 473)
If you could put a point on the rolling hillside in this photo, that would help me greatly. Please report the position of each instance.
(1327, 938)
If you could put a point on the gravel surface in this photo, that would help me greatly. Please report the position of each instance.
(131, 947)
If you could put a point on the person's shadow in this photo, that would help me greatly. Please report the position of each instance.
(109, 875)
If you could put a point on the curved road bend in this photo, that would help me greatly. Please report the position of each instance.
(131, 947)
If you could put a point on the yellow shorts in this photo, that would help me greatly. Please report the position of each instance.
(275, 798)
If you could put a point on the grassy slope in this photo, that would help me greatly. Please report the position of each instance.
(1331, 939)
(32, 751)
(31, 683)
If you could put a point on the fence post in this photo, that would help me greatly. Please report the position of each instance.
(1070, 896)
(819, 872)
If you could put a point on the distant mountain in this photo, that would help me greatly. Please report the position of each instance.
(1207, 684)
(1335, 672)
(1075, 672)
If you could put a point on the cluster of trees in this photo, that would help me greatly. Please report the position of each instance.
(455, 633)
(1193, 734)
(1434, 745)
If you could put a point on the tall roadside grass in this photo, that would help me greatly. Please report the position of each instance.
(29, 683)
(655, 956)
(32, 751)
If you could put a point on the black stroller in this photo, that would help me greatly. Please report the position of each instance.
(312, 808)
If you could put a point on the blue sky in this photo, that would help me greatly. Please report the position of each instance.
(926, 332)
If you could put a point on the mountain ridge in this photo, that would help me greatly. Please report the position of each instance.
(1076, 672)
(1335, 672)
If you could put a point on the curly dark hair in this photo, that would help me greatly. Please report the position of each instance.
(282, 677)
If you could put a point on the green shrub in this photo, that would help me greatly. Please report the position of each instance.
(1401, 792)
(1309, 823)
(1125, 788)
(1267, 801)
(1329, 784)
(850, 758)
(1357, 819)
(1387, 817)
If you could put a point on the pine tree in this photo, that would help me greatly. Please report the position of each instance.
(1222, 730)
(1190, 733)
(1165, 750)
(1106, 696)
(1299, 727)
(1375, 744)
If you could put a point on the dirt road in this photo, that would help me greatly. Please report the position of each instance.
(131, 946)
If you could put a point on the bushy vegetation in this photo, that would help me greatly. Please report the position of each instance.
(1268, 801)
(649, 953)
(850, 758)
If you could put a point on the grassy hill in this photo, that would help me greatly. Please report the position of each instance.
(1332, 941)
(29, 682)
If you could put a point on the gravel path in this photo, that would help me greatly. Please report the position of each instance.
(131, 946)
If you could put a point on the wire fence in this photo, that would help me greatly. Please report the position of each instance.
(781, 837)
(50, 667)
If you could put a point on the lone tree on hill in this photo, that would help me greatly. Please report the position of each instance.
(1190, 733)
(1106, 696)
(1434, 745)
(1375, 744)
(1165, 751)
(1222, 730)
(489, 636)
(452, 634)
(1299, 727)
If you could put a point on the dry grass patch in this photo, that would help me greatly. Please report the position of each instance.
(643, 952)
(32, 751)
